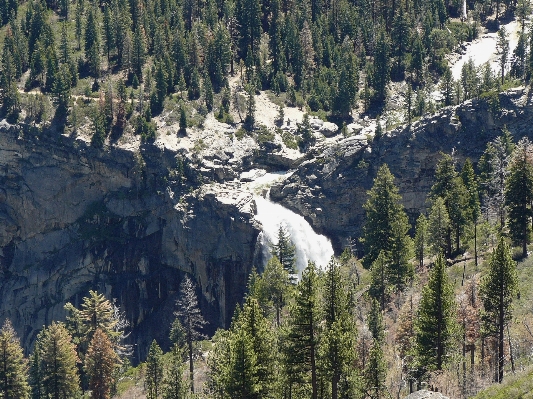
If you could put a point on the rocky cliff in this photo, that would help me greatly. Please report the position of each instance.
(330, 189)
(128, 223)
(131, 221)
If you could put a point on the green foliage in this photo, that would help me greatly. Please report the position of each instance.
(154, 371)
(273, 287)
(54, 373)
(386, 228)
(498, 288)
(450, 187)
(375, 372)
(304, 331)
(174, 385)
(13, 371)
(421, 239)
(284, 250)
(438, 227)
(245, 366)
(435, 324)
(337, 351)
(517, 386)
(519, 194)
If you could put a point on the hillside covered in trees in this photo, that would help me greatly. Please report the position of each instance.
(118, 63)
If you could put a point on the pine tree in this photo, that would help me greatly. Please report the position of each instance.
(154, 371)
(64, 46)
(494, 169)
(399, 43)
(450, 187)
(183, 120)
(243, 366)
(174, 385)
(417, 59)
(109, 31)
(138, 54)
(161, 88)
(502, 50)
(519, 194)
(248, 15)
(57, 363)
(438, 227)
(497, 290)
(97, 313)
(338, 348)
(347, 86)
(79, 22)
(381, 71)
(249, 120)
(242, 380)
(208, 92)
(304, 330)
(13, 367)
(194, 85)
(421, 238)
(285, 250)
(473, 211)
(61, 90)
(191, 318)
(386, 226)
(100, 363)
(435, 325)
(375, 371)
(10, 97)
(273, 287)
(446, 86)
(379, 280)
(92, 43)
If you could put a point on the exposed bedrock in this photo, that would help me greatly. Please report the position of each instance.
(330, 189)
(73, 218)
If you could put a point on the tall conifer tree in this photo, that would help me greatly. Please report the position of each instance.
(13, 368)
(435, 325)
(497, 290)
(519, 194)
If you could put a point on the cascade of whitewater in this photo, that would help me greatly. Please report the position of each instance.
(309, 245)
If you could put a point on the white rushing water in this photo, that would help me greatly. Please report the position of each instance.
(309, 245)
(483, 50)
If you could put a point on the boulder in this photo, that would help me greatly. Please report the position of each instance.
(329, 129)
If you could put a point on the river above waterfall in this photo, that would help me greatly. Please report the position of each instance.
(310, 246)
(484, 50)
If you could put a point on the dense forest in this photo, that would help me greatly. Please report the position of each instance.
(439, 309)
(119, 62)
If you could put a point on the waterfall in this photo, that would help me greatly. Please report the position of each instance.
(309, 245)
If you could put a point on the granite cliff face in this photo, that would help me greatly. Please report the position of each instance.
(131, 221)
(330, 189)
(130, 224)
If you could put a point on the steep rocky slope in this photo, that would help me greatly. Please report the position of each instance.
(73, 218)
(131, 221)
(330, 189)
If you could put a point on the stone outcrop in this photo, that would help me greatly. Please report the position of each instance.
(130, 224)
(330, 189)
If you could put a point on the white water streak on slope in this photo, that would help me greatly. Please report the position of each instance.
(309, 245)
(484, 50)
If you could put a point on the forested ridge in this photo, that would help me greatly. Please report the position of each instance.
(328, 57)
